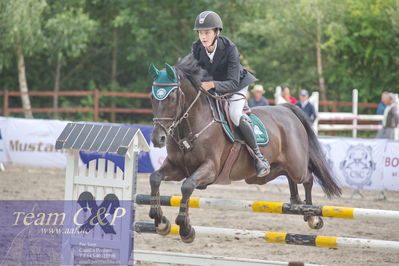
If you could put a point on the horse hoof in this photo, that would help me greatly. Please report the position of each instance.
(163, 228)
(315, 222)
(188, 239)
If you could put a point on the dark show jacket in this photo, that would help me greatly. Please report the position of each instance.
(309, 110)
(226, 70)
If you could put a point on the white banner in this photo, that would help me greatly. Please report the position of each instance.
(391, 166)
(32, 141)
(371, 164)
(3, 155)
(357, 163)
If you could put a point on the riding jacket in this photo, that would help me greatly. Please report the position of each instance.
(227, 72)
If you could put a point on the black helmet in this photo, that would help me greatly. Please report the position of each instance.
(208, 20)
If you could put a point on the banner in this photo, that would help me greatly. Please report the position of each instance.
(391, 166)
(3, 155)
(371, 164)
(356, 163)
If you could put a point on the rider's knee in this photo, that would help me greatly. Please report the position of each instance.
(235, 116)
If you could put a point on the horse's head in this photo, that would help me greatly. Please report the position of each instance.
(167, 100)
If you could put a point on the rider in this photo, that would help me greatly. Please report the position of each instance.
(220, 57)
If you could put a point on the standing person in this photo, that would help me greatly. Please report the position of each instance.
(381, 105)
(258, 99)
(287, 95)
(391, 118)
(306, 106)
(219, 56)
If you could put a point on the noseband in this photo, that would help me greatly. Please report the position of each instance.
(186, 142)
(175, 120)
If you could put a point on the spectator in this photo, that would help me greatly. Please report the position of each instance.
(391, 118)
(381, 106)
(258, 99)
(287, 95)
(306, 106)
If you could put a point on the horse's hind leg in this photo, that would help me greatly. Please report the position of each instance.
(314, 222)
(162, 224)
(294, 195)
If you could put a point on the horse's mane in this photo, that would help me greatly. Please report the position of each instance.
(189, 68)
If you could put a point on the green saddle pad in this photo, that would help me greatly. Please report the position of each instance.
(262, 138)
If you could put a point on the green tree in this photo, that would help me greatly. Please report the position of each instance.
(21, 31)
(68, 35)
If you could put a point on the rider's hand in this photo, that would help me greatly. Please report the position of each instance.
(207, 85)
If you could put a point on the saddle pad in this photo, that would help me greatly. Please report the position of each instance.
(262, 138)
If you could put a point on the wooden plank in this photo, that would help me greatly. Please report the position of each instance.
(126, 110)
(101, 168)
(90, 181)
(92, 169)
(110, 169)
(51, 93)
(142, 95)
(52, 110)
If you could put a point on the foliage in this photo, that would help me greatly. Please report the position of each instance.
(277, 41)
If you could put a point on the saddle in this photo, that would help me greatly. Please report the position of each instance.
(235, 136)
(262, 137)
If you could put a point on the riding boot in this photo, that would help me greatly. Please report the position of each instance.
(261, 164)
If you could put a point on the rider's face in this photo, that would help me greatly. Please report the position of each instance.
(206, 37)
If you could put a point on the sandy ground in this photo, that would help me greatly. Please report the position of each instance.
(27, 183)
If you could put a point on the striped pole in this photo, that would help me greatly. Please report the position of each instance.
(279, 238)
(276, 207)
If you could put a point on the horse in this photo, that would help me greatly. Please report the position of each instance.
(197, 147)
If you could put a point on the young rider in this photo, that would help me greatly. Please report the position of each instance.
(220, 57)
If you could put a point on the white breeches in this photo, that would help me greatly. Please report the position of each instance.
(236, 107)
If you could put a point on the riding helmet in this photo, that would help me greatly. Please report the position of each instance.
(208, 20)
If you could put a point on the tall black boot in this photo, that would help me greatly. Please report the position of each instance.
(247, 130)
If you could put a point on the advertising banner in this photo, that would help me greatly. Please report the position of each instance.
(370, 164)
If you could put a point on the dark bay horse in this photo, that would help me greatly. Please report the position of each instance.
(197, 147)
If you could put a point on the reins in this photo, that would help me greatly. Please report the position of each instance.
(186, 143)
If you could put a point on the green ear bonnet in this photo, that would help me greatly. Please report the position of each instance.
(165, 81)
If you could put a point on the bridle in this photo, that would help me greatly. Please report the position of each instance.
(185, 143)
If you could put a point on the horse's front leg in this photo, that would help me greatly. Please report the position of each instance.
(204, 175)
(162, 224)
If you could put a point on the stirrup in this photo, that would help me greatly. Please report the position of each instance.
(264, 170)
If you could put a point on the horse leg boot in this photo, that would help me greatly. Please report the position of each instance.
(162, 224)
(261, 164)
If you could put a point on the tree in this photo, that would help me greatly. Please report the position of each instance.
(68, 34)
(21, 31)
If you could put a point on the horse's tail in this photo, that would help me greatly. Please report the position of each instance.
(317, 162)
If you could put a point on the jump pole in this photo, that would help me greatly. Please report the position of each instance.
(276, 207)
(279, 238)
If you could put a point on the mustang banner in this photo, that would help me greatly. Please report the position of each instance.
(370, 164)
